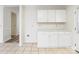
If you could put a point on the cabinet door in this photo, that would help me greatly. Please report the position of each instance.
(76, 41)
(64, 40)
(61, 39)
(43, 40)
(60, 15)
(42, 15)
(51, 16)
(53, 40)
(68, 40)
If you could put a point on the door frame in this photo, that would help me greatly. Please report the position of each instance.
(20, 26)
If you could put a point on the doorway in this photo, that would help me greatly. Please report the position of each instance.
(14, 35)
(13, 24)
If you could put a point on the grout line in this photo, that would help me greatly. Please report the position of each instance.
(31, 49)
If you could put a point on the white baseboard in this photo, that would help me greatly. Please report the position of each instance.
(7, 39)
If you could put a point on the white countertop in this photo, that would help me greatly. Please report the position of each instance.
(55, 31)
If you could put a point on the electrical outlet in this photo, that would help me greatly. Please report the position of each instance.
(28, 35)
(75, 44)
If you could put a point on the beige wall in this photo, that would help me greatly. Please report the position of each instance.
(52, 26)
(13, 23)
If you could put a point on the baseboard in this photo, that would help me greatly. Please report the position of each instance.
(30, 42)
(7, 40)
(13, 36)
(1, 44)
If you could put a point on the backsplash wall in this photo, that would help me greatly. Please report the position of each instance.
(51, 27)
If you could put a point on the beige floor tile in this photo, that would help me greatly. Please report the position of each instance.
(13, 50)
(20, 50)
(35, 50)
(28, 48)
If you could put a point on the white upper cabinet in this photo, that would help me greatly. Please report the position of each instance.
(42, 15)
(51, 16)
(60, 15)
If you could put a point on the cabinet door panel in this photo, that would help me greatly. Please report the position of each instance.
(60, 15)
(51, 16)
(64, 40)
(68, 40)
(76, 41)
(53, 40)
(42, 15)
(43, 40)
(61, 42)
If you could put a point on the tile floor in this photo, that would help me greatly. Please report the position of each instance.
(31, 48)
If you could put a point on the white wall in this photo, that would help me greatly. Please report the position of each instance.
(17, 22)
(1, 23)
(51, 27)
(7, 24)
(30, 24)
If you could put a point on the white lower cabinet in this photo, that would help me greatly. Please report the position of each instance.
(76, 41)
(43, 39)
(54, 40)
(68, 40)
(63, 40)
